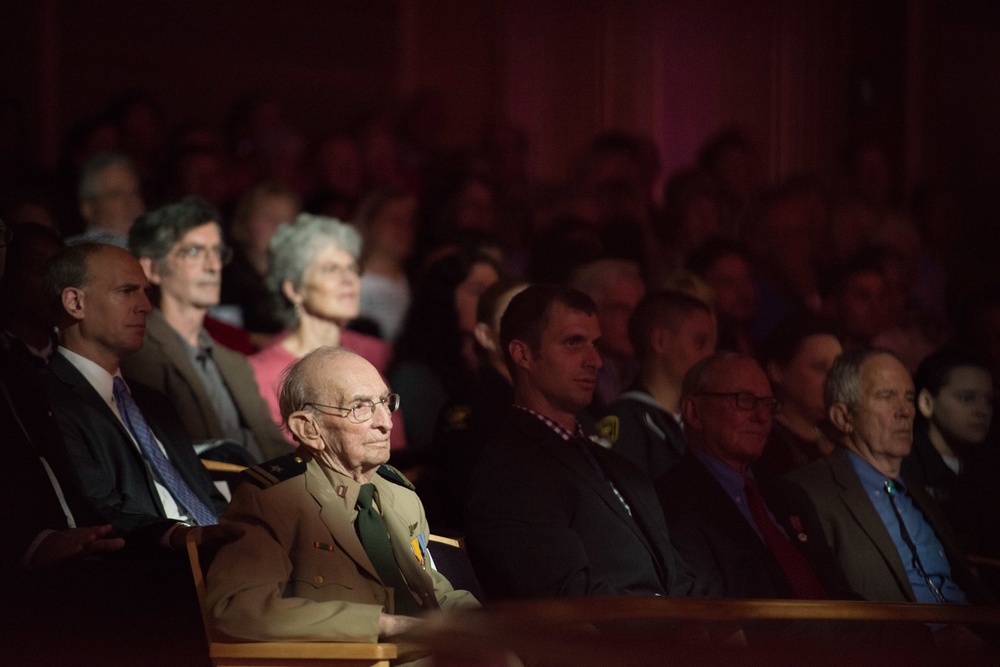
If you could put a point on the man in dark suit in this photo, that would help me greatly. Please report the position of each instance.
(713, 496)
(181, 250)
(551, 512)
(127, 454)
(889, 536)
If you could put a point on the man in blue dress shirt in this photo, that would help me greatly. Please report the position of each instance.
(890, 538)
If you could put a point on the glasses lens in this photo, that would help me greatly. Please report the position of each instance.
(392, 402)
(746, 401)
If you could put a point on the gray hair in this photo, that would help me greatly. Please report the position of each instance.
(293, 249)
(90, 174)
(702, 375)
(297, 386)
(843, 382)
(155, 233)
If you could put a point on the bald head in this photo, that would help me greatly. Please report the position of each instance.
(338, 407)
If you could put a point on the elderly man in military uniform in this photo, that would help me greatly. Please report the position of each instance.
(331, 543)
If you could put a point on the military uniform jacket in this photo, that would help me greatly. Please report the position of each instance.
(163, 364)
(296, 570)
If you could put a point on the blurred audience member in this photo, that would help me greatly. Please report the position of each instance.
(386, 220)
(854, 298)
(181, 251)
(110, 199)
(616, 286)
(727, 269)
(783, 235)
(314, 276)
(690, 217)
(339, 178)
(435, 359)
(797, 357)
(729, 158)
(670, 332)
(28, 325)
(259, 213)
(467, 422)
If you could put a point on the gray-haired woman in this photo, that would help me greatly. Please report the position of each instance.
(313, 277)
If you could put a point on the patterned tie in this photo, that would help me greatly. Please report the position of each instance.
(137, 425)
(798, 571)
(375, 539)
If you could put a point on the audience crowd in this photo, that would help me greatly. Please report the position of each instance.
(723, 388)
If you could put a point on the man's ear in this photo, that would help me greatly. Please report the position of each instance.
(149, 267)
(690, 412)
(925, 403)
(482, 334)
(840, 416)
(520, 352)
(303, 426)
(661, 340)
(72, 302)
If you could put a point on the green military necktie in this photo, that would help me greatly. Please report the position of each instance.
(375, 539)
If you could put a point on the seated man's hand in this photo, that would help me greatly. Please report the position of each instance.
(63, 545)
(390, 625)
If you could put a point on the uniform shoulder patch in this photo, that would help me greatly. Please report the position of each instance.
(271, 472)
(394, 476)
(607, 428)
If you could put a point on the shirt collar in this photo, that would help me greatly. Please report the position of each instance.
(728, 477)
(559, 429)
(101, 380)
(871, 479)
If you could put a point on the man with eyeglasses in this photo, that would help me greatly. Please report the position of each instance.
(182, 253)
(756, 533)
(331, 543)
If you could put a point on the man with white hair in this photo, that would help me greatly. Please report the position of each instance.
(331, 543)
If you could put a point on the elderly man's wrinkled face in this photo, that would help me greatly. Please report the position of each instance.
(725, 421)
(880, 426)
(346, 444)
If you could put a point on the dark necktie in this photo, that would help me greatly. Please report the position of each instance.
(798, 571)
(375, 539)
(162, 467)
(890, 490)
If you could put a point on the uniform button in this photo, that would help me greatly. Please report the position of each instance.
(318, 579)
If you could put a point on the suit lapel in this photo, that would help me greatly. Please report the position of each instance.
(859, 505)
(568, 454)
(66, 372)
(160, 333)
